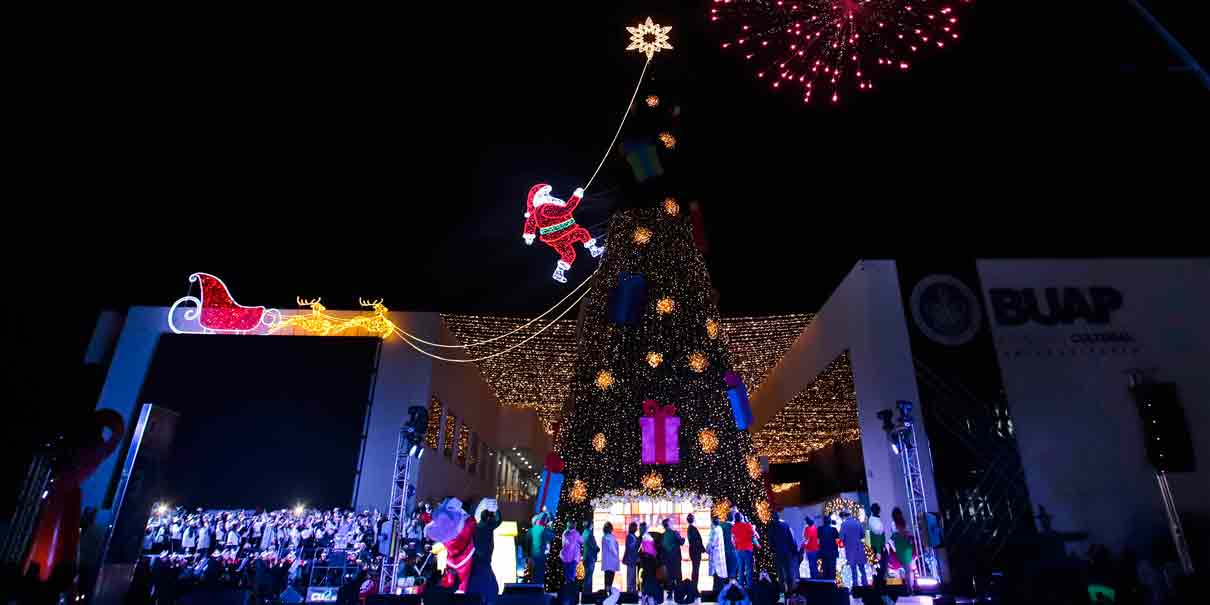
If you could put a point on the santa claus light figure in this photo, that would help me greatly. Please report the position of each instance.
(551, 219)
(455, 530)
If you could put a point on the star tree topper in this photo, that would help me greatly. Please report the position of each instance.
(649, 38)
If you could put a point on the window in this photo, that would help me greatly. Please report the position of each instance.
(451, 425)
(433, 432)
(464, 442)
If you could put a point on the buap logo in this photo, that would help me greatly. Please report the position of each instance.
(946, 310)
(1052, 306)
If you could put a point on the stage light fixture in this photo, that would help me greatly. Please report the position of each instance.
(420, 454)
(905, 412)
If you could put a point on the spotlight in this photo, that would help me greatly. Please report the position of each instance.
(299, 510)
(420, 453)
(412, 450)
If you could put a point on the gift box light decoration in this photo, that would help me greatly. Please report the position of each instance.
(698, 362)
(654, 359)
(708, 440)
(668, 140)
(653, 101)
(711, 328)
(642, 235)
(598, 442)
(660, 429)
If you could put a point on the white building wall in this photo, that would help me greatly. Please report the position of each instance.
(1076, 423)
(865, 316)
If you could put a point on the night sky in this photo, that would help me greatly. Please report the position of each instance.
(314, 154)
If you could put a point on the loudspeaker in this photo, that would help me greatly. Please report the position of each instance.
(822, 592)
(289, 595)
(520, 588)
(1165, 431)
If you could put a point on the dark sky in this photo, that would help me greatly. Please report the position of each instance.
(344, 155)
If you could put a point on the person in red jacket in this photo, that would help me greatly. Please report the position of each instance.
(552, 219)
(810, 545)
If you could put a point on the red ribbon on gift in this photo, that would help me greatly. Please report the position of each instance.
(659, 413)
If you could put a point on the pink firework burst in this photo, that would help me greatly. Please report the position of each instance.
(827, 48)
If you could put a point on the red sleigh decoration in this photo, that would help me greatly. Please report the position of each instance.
(217, 312)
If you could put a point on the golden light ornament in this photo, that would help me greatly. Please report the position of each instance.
(649, 38)
(720, 509)
(598, 442)
(712, 328)
(578, 492)
(708, 440)
(763, 511)
(671, 207)
(604, 380)
(580, 570)
(653, 101)
(668, 140)
(654, 359)
(642, 235)
(698, 362)
(665, 305)
(753, 467)
(652, 480)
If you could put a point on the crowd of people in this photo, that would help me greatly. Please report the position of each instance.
(263, 553)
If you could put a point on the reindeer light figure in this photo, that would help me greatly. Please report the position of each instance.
(378, 323)
(316, 323)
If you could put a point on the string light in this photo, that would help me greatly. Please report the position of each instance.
(665, 306)
(539, 377)
(598, 442)
(654, 359)
(653, 480)
(838, 504)
(668, 140)
(708, 441)
(823, 413)
(642, 235)
(784, 487)
(671, 207)
(649, 38)
(697, 362)
(653, 101)
(604, 380)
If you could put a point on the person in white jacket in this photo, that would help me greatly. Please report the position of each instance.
(716, 548)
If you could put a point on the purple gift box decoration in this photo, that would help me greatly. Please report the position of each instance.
(661, 429)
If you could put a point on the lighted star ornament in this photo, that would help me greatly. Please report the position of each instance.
(649, 38)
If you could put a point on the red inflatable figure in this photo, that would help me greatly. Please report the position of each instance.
(455, 530)
(56, 539)
(551, 219)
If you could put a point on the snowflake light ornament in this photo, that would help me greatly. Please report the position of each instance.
(649, 38)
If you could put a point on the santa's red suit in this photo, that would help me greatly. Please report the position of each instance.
(456, 531)
(551, 219)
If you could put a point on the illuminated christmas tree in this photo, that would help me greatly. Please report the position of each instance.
(650, 417)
